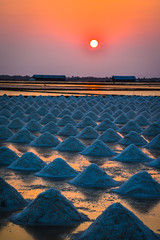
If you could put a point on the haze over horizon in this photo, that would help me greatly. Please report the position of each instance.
(52, 37)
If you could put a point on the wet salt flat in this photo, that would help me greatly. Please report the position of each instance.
(89, 201)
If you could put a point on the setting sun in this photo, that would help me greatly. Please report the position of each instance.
(94, 43)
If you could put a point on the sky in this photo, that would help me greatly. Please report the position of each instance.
(52, 37)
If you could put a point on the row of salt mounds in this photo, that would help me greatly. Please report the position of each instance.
(28, 162)
(51, 208)
(152, 130)
(133, 137)
(117, 222)
(131, 126)
(98, 148)
(10, 198)
(132, 154)
(23, 136)
(58, 168)
(140, 185)
(106, 124)
(7, 156)
(94, 177)
(45, 140)
(71, 144)
(5, 133)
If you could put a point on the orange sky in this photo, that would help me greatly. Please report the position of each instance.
(52, 37)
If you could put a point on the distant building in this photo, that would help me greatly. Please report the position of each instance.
(124, 79)
(48, 78)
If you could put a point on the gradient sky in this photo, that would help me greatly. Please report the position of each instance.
(52, 37)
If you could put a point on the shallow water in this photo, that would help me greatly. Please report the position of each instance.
(88, 201)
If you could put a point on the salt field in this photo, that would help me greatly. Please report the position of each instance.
(78, 167)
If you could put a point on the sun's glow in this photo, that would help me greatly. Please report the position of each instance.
(94, 43)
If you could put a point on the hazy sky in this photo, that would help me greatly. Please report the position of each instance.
(52, 37)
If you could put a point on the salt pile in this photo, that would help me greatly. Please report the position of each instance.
(45, 140)
(155, 163)
(122, 119)
(18, 114)
(92, 115)
(42, 111)
(16, 124)
(68, 130)
(116, 223)
(98, 148)
(4, 120)
(88, 133)
(87, 121)
(65, 120)
(5, 133)
(131, 114)
(5, 113)
(132, 154)
(106, 124)
(48, 118)
(154, 143)
(142, 120)
(58, 168)
(28, 162)
(55, 111)
(105, 116)
(140, 185)
(50, 127)
(77, 115)
(33, 115)
(33, 125)
(50, 208)
(110, 135)
(152, 130)
(64, 112)
(94, 177)
(71, 144)
(131, 126)
(133, 137)
(7, 156)
(23, 136)
(10, 199)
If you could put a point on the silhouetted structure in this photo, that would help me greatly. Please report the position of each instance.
(49, 77)
(124, 79)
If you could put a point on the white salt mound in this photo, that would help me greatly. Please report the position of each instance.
(28, 162)
(68, 130)
(131, 126)
(71, 144)
(50, 208)
(23, 136)
(118, 223)
(98, 148)
(110, 135)
(45, 140)
(122, 119)
(50, 127)
(7, 156)
(3, 120)
(88, 133)
(77, 115)
(94, 177)
(16, 124)
(65, 120)
(133, 137)
(33, 125)
(152, 130)
(140, 185)
(142, 120)
(154, 143)
(87, 121)
(106, 124)
(155, 163)
(48, 118)
(10, 199)
(5, 133)
(58, 168)
(132, 154)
